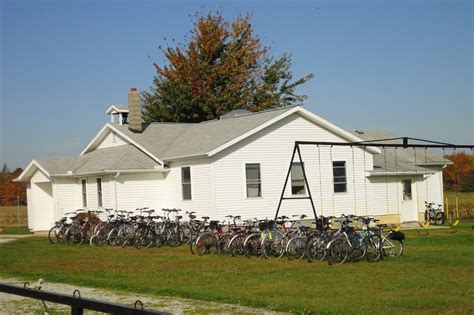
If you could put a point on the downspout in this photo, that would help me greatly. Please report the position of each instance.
(115, 189)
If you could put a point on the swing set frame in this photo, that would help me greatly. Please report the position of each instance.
(406, 142)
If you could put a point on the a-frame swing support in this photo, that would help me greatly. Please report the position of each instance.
(372, 143)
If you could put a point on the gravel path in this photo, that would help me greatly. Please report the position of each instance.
(12, 304)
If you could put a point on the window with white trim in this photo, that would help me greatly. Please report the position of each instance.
(253, 180)
(84, 192)
(186, 182)
(99, 192)
(297, 179)
(339, 176)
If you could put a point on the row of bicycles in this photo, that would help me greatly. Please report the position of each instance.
(334, 239)
(139, 228)
(296, 240)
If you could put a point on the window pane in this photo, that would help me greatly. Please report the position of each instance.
(407, 189)
(253, 181)
(99, 192)
(340, 187)
(339, 176)
(252, 172)
(297, 180)
(186, 182)
(339, 171)
(340, 179)
(84, 192)
(253, 190)
(186, 174)
(296, 171)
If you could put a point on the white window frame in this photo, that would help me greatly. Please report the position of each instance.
(100, 192)
(259, 181)
(183, 183)
(339, 183)
(84, 192)
(305, 193)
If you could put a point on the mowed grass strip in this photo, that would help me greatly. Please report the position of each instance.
(434, 276)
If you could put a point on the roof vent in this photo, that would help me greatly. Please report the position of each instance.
(235, 113)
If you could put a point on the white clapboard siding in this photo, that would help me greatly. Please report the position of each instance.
(67, 195)
(31, 206)
(201, 187)
(39, 177)
(139, 191)
(430, 189)
(111, 140)
(272, 148)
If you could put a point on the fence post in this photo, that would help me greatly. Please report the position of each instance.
(18, 210)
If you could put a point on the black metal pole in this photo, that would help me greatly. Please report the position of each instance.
(387, 145)
(286, 180)
(306, 183)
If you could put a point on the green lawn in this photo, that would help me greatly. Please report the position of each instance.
(434, 276)
(16, 230)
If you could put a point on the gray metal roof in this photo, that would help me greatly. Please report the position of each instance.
(401, 160)
(124, 157)
(174, 140)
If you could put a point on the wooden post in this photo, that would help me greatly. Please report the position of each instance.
(18, 209)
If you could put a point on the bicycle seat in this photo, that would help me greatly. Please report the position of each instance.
(382, 225)
(205, 218)
(179, 217)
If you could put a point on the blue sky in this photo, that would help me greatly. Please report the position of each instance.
(402, 66)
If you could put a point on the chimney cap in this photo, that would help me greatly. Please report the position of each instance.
(133, 89)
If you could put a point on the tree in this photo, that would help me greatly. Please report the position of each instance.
(221, 68)
(5, 168)
(10, 189)
(459, 172)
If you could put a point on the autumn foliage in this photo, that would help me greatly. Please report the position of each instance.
(222, 67)
(10, 190)
(460, 175)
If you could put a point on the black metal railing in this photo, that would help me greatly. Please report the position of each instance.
(77, 303)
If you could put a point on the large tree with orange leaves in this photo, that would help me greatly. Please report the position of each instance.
(459, 175)
(221, 68)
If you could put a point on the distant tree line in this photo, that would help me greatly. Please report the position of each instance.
(10, 190)
(460, 175)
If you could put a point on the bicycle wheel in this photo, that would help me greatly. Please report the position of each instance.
(74, 235)
(206, 244)
(392, 248)
(185, 234)
(253, 245)
(236, 245)
(372, 244)
(223, 245)
(112, 236)
(52, 234)
(338, 251)
(295, 248)
(273, 245)
(315, 248)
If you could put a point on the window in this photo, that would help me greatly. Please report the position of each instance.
(406, 189)
(84, 192)
(297, 179)
(99, 192)
(186, 182)
(339, 176)
(254, 182)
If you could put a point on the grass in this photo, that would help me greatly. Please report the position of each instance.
(433, 276)
(16, 230)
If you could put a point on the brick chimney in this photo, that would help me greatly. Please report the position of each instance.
(134, 111)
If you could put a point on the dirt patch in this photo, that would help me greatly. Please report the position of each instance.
(11, 304)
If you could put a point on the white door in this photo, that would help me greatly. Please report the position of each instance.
(408, 208)
(44, 207)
